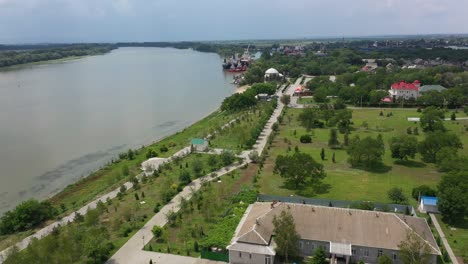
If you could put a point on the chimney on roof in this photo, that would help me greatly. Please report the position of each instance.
(377, 215)
(349, 212)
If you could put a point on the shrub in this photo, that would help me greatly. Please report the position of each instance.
(305, 139)
(26, 215)
(157, 231)
(422, 190)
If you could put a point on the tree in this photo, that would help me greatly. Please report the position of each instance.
(286, 236)
(333, 158)
(396, 195)
(432, 120)
(286, 99)
(299, 169)
(422, 190)
(253, 156)
(453, 117)
(26, 215)
(212, 160)
(125, 170)
(305, 139)
(385, 259)
(322, 154)
(434, 142)
(197, 166)
(319, 256)
(367, 152)
(130, 154)
(346, 139)
(342, 119)
(184, 177)
(403, 147)
(227, 157)
(309, 118)
(157, 231)
(413, 250)
(453, 197)
(333, 140)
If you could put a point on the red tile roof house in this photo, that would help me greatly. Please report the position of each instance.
(347, 235)
(405, 90)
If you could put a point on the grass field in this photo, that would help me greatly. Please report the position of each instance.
(203, 214)
(123, 216)
(347, 183)
(237, 136)
(111, 175)
(457, 236)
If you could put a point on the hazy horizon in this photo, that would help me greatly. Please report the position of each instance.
(68, 21)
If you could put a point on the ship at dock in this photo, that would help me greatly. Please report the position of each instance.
(238, 63)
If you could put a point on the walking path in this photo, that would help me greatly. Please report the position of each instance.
(83, 210)
(452, 256)
(132, 251)
(290, 92)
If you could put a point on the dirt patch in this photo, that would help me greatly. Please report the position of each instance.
(246, 177)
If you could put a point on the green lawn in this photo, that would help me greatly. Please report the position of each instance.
(457, 236)
(211, 213)
(347, 183)
(238, 135)
(120, 218)
(308, 100)
(110, 176)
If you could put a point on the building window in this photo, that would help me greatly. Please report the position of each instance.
(394, 256)
(300, 244)
(240, 254)
(267, 259)
(353, 252)
(366, 252)
(380, 253)
(250, 256)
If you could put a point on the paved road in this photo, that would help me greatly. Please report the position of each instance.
(131, 252)
(444, 240)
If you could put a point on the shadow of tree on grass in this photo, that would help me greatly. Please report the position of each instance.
(410, 163)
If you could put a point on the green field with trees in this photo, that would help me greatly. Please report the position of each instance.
(92, 238)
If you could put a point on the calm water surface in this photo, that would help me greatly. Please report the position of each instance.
(61, 121)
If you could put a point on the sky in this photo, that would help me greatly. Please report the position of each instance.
(65, 21)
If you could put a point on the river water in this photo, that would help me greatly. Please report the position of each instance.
(61, 121)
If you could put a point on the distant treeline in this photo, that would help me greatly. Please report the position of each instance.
(445, 54)
(22, 54)
(222, 49)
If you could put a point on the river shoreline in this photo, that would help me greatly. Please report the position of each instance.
(145, 119)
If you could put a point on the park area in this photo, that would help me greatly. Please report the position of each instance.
(367, 185)
(208, 220)
(343, 182)
(121, 170)
(105, 229)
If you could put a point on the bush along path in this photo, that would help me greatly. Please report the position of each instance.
(132, 251)
(92, 205)
(82, 211)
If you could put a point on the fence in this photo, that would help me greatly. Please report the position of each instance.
(217, 256)
(397, 208)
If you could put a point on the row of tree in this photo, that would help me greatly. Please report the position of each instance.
(240, 101)
(10, 58)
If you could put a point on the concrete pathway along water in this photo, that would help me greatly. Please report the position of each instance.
(132, 251)
(83, 210)
(452, 256)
